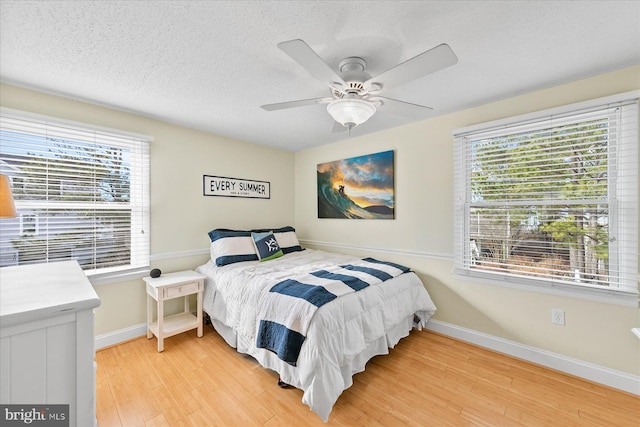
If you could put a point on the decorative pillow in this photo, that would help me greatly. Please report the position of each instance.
(230, 246)
(286, 237)
(266, 246)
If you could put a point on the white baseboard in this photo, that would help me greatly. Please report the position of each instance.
(579, 368)
(589, 371)
(120, 336)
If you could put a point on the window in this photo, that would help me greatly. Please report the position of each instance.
(81, 193)
(550, 199)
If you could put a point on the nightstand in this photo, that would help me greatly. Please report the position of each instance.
(169, 286)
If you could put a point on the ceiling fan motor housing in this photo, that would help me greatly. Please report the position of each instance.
(353, 74)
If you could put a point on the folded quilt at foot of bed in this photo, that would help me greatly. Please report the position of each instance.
(288, 307)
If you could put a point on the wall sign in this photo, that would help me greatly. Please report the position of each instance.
(233, 187)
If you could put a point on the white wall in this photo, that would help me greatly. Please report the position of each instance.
(421, 236)
(180, 215)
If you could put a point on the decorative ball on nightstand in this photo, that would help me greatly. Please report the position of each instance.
(155, 273)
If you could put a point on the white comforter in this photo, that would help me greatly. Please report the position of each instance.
(344, 334)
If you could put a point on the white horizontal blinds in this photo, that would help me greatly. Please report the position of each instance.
(553, 199)
(461, 241)
(624, 194)
(80, 193)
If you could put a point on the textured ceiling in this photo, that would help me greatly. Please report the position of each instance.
(209, 65)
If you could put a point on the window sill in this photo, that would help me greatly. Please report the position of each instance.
(608, 296)
(116, 276)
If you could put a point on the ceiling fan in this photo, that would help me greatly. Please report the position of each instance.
(354, 93)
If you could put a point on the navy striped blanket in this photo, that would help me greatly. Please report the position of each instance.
(287, 309)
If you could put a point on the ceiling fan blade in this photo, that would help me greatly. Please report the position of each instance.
(300, 52)
(291, 104)
(421, 65)
(401, 108)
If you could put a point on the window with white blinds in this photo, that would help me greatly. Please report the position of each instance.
(80, 192)
(551, 198)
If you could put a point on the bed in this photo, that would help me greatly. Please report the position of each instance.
(342, 334)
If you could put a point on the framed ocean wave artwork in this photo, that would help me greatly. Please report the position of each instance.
(357, 188)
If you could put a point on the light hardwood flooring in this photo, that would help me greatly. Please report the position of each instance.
(427, 380)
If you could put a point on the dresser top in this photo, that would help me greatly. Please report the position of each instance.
(36, 291)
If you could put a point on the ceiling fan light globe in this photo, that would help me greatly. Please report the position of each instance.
(351, 112)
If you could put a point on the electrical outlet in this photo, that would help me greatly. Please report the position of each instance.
(557, 316)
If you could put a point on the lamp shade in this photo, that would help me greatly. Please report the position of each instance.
(7, 207)
(350, 112)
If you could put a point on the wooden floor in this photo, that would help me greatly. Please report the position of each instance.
(427, 380)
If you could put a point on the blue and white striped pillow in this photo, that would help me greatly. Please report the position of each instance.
(287, 239)
(230, 246)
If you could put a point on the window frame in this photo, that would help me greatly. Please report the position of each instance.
(139, 202)
(462, 202)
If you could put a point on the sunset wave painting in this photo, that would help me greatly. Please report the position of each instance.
(357, 188)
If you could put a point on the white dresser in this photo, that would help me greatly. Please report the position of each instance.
(46, 338)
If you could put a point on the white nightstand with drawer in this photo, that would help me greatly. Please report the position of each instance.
(169, 286)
